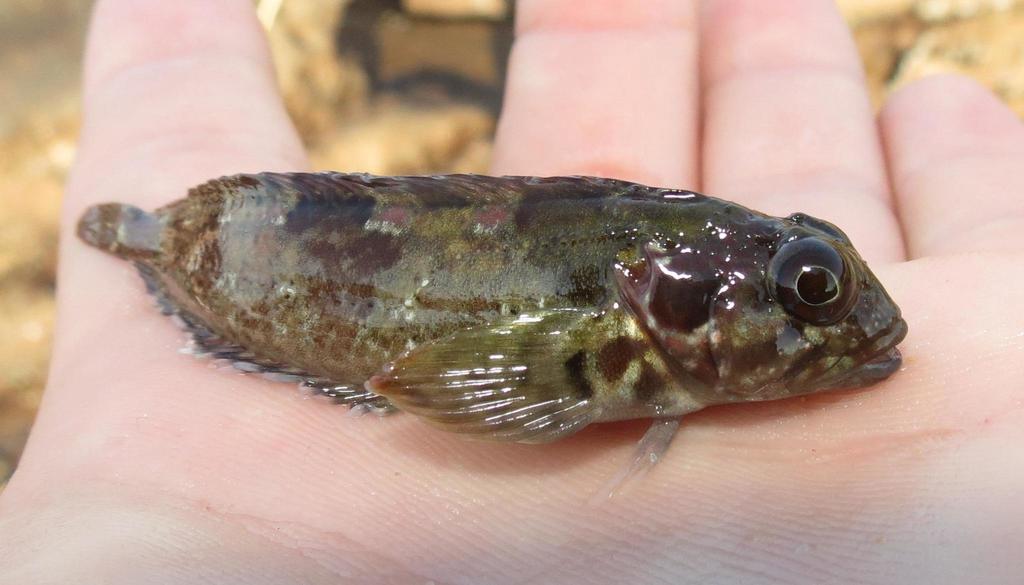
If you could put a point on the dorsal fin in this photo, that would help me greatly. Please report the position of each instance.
(416, 190)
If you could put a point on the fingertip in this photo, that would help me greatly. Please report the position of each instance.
(787, 120)
(568, 112)
(947, 100)
(743, 36)
(942, 117)
(936, 84)
(604, 88)
(564, 15)
(128, 33)
(176, 93)
(954, 152)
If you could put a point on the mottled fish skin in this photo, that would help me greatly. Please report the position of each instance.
(513, 308)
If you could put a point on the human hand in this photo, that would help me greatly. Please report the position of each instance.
(149, 466)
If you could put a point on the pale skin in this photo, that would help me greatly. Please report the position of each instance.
(148, 466)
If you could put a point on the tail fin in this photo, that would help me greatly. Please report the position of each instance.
(122, 230)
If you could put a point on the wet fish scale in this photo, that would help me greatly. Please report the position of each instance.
(512, 308)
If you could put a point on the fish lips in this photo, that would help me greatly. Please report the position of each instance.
(881, 365)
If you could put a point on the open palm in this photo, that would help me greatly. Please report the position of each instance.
(147, 466)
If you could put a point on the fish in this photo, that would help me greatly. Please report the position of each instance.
(515, 308)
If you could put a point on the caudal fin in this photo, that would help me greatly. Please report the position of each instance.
(122, 230)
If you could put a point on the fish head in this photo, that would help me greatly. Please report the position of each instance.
(763, 309)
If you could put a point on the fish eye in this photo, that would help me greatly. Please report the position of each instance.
(809, 278)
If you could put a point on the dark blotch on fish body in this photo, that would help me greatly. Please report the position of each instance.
(614, 358)
(576, 366)
(650, 384)
(321, 214)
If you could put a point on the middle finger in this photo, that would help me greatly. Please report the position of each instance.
(788, 123)
(603, 88)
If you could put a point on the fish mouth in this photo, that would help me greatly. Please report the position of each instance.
(879, 366)
(876, 369)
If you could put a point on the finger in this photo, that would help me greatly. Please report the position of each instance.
(602, 88)
(788, 124)
(175, 93)
(955, 154)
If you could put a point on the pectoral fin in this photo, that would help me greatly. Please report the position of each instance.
(520, 379)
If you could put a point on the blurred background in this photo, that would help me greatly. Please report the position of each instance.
(384, 86)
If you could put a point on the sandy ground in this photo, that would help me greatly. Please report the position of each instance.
(397, 87)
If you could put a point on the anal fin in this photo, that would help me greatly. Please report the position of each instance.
(206, 343)
(357, 397)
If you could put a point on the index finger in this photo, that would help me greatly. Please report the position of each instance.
(175, 93)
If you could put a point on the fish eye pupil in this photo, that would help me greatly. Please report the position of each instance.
(811, 280)
(816, 285)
